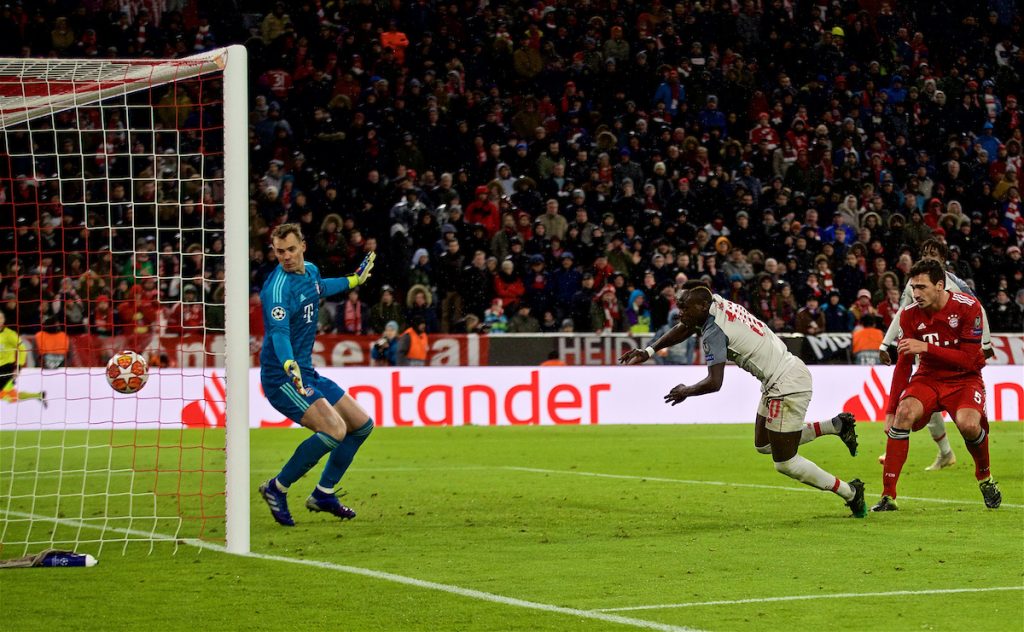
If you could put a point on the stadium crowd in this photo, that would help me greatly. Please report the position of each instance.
(532, 166)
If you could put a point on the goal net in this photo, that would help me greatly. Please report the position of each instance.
(123, 213)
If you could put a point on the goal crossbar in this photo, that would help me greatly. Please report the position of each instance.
(31, 88)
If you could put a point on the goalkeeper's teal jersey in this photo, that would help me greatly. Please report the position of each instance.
(291, 307)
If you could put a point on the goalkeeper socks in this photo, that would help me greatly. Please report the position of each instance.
(979, 450)
(937, 428)
(896, 449)
(305, 457)
(341, 456)
(809, 473)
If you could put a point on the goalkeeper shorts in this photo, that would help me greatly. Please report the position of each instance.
(285, 398)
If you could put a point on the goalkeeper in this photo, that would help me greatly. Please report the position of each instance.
(291, 303)
(13, 355)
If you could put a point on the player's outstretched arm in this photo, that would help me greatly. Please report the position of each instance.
(672, 337)
(710, 384)
(357, 278)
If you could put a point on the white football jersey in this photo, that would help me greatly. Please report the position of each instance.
(733, 333)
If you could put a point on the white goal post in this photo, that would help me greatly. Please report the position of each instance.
(35, 92)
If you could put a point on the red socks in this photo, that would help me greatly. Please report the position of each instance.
(895, 456)
(979, 451)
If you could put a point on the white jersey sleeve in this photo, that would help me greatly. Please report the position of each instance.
(749, 342)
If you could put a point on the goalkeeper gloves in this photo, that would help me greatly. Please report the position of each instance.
(363, 271)
(291, 367)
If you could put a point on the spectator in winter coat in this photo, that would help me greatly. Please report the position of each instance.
(523, 322)
(566, 281)
(384, 351)
(419, 304)
(810, 320)
(351, 316)
(837, 317)
(484, 212)
(508, 285)
(1005, 316)
(605, 311)
(495, 320)
(386, 309)
(862, 306)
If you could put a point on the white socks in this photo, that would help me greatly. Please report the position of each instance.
(937, 428)
(809, 473)
(815, 429)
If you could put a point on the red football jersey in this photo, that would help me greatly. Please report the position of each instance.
(954, 326)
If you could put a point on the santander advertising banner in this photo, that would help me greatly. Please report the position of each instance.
(481, 396)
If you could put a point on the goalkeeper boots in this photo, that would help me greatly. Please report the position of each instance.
(990, 492)
(887, 503)
(857, 506)
(322, 501)
(942, 461)
(278, 503)
(847, 426)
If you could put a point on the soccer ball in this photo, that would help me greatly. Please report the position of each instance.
(127, 372)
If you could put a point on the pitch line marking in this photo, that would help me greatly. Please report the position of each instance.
(385, 576)
(102, 474)
(658, 479)
(734, 602)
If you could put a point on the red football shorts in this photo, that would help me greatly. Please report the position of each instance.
(938, 395)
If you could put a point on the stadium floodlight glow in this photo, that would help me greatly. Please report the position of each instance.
(117, 153)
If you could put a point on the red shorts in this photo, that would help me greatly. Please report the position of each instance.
(946, 395)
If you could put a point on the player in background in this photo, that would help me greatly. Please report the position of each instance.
(936, 250)
(727, 330)
(13, 356)
(944, 329)
(291, 303)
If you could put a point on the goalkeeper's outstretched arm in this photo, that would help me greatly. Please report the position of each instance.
(357, 278)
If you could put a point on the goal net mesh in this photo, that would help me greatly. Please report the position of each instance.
(111, 238)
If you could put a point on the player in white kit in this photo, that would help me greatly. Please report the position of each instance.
(728, 331)
(932, 249)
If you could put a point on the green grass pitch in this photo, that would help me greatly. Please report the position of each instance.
(539, 529)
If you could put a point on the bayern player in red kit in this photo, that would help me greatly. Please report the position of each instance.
(944, 328)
